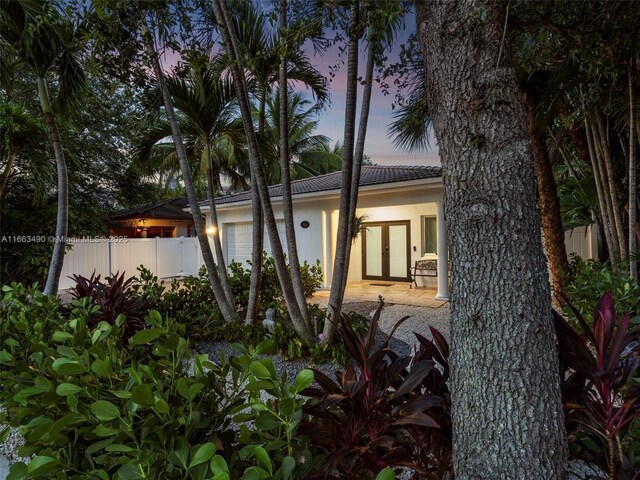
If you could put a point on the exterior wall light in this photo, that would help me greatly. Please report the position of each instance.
(304, 224)
(211, 230)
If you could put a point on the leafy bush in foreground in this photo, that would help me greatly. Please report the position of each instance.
(384, 410)
(90, 404)
(601, 386)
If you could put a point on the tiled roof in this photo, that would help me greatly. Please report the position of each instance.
(172, 208)
(371, 175)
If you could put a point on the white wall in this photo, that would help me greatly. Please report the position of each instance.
(583, 241)
(318, 241)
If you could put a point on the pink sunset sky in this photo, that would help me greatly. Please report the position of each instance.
(378, 145)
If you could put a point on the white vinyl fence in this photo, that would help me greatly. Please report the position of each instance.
(165, 257)
(583, 241)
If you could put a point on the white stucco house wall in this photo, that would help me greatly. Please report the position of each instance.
(403, 219)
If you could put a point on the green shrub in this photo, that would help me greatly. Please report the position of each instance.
(91, 405)
(590, 278)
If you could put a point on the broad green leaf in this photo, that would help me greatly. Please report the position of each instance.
(143, 395)
(119, 447)
(105, 410)
(41, 466)
(288, 464)
(5, 357)
(60, 337)
(203, 454)
(101, 367)
(251, 473)
(65, 389)
(102, 431)
(259, 370)
(17, 471)
(263, 457)
(304, 379)
(66, 366)
(161, 406)
(265, 346)
(219, 465)
(146, 336)
(386, 474)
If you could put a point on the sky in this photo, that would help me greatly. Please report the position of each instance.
(378, 145)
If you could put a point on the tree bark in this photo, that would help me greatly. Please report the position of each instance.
(549, 204)
(339, 264)
(4, 180)
(217, 244)
(359, 154)
(62, 217)
(505, 387)
(223, 19)
(612, 184)
(285, 173)
(600, 176)
(228, 312)
(633, 181)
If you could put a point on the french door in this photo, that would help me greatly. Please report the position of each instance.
(386, 251)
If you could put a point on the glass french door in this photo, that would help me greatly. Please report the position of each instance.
(386, 251)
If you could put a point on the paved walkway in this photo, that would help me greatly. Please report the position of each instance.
(392, 292)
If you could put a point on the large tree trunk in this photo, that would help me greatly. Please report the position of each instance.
(285, 173)
(505, 387)
(549, 204)
(228, 312)
(223, 18)
(339, 264)
(62, 217)
(4, 180)
(359, 154)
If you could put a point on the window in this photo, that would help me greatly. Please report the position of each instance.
(429, 235)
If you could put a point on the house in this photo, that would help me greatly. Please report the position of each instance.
(402, 219)
(163, 219)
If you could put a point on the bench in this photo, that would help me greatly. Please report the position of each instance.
(423, 268)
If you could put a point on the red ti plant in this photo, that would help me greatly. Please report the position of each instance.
(600, 395)
(383, 410)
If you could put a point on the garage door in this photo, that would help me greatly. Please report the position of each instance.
(240, 242)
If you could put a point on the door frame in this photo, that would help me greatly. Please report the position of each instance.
(386, 277)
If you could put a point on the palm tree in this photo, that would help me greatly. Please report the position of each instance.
(259, 53)
(319, 161)
(302, 141)
(226, 308)
(38, 36)
(213, 137)
(22, 137)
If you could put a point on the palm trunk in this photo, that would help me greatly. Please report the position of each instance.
(224, 22)
(4, 180)
(285, 174)
(62, 217)
(633, 181)
(217, 244)
(258, 230)
(603, 197)
(359, 154)
(228, 312)
(612, 185)
(549, 204)
(511, 428)
(339, 264)
(256, 255)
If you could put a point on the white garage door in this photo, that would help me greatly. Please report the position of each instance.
(240, 242)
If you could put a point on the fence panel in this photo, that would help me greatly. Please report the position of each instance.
(84, 259)
(191, 258)
(169, 257)
(128, 256)
(582, 241)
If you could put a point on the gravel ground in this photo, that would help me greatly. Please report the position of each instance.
(421, 318)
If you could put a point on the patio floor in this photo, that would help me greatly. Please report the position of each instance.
(392, 292)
